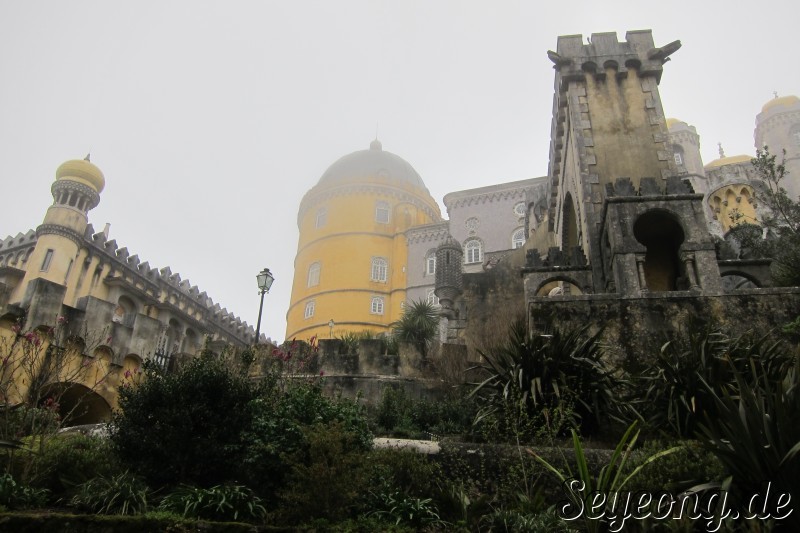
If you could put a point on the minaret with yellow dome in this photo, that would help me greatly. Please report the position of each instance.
(351, 258)
(60, 236)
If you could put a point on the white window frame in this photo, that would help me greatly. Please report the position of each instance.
(678, 158)
(311, 306)
(312, 279)
(376, 305)
(430, 264)
(518, 238)
(322, 217)
(473, 252)
(431, 298)
(382, 212)
(379, 270)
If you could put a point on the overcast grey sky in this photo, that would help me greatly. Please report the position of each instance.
(211, 120)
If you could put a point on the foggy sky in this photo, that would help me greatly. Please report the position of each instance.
(210, 120)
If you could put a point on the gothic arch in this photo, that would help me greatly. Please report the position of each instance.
(566, 284)
(570, 237)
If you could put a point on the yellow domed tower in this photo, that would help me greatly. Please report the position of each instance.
(352, 255)
(60, 236)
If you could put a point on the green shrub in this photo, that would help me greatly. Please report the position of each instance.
(121, 494)
(399, 415)
(415, 512)
(278, 436)
(69, 460)
(326, 480)
(14, 495)
(186, 426)
(222, 502)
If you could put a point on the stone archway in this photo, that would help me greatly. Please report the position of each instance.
(662, 235)
(77, 404)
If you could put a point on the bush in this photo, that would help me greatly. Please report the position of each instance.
(278, 436)
(187, 426)
(222, 502)
(69, 460)
(15, 495)
(123, 494)
(328, 479)
(401, 416)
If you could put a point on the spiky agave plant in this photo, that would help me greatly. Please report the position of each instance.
(536, 374)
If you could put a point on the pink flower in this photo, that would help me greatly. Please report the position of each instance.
(127, 373)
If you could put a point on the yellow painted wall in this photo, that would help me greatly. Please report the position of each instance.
(344, 247)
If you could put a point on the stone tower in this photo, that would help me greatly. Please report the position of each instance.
(622, 217)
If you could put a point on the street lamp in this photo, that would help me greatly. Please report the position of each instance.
(264, 280)
(331, 323)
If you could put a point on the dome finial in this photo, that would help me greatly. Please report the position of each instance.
(376, 145)
(87, 157)
(721, 151)
(775, 93)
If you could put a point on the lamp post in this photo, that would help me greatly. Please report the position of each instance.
(264, 280)
(331, 323)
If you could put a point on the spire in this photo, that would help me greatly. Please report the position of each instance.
(87, 157)
(721, 151)
(775, 93)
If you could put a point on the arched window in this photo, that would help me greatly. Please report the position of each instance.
(518, 238)
(322, 217)
(473, 252)
(313, 275)
(430, 264)
(309, 311)
(379, 269)
(376, 306)
(382, 212)
(431, 298)
(125, 312)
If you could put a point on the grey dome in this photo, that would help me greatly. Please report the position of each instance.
(372, 163)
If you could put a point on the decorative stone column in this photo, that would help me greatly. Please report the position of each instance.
(640, 271)
(691, 273)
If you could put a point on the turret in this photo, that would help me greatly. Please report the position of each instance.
(449, 273)
(75, 192)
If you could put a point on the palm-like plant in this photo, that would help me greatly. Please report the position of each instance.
(418, 325)
(677, 391)
(556, 369)
(755, 433)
